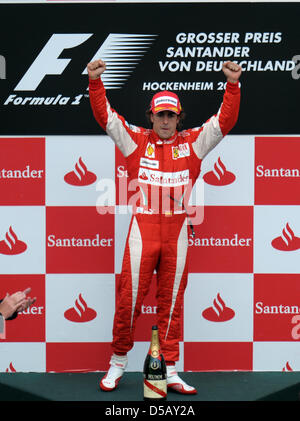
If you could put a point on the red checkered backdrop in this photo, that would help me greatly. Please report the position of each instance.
(64, 215)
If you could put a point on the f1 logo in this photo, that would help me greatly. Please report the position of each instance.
(2, 68)
(47, 62)
(113, 50)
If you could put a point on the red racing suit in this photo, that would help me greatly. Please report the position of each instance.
(158, 232)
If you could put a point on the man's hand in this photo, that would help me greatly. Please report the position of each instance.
(96, 68)
(15, 302)
(232, 71)
(27, 302)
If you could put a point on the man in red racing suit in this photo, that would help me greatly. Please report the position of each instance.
(163, 161)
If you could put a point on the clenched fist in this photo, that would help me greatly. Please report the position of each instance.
(232, 71)
(96, 68)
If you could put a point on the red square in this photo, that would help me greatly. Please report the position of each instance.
(79, 240)
(277, 171)
(148, 316)
(217, 356)
(276, 303)
(77, 357)
(224, 241)
(22, 171)
(28, 326)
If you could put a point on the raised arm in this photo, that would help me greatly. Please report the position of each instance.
(113, 123)
(219, 125)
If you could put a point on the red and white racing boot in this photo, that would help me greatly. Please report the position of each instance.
(111, 379)
(175, 383)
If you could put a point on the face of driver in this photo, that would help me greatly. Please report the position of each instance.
(164, 123)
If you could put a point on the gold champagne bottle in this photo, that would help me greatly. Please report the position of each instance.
(155, 371)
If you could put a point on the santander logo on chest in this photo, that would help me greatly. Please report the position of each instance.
(149, 174)
(163, 179)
